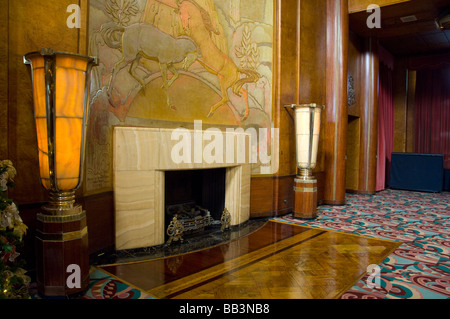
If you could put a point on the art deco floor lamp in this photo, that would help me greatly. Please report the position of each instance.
(307, 128)
(60, 83)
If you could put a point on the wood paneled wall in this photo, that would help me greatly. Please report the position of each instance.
(29, 26)
(300, 68)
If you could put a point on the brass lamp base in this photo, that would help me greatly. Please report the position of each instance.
(62, 260)
(305, 197)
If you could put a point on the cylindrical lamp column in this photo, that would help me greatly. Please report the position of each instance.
(307, 128)
(60, 91)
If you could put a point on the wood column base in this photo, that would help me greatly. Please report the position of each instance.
(305, 198)
(62, 241)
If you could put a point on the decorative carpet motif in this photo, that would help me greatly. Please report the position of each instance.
(420, 267)
(105, 286)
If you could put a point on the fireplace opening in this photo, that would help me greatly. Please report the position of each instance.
(196, 197)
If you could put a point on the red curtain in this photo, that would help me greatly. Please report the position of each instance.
(432, 113)
(385, 125)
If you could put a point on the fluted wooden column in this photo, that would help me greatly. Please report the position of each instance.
(336, 102)
(369, 119)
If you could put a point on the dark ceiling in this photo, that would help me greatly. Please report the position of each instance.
(412, 38)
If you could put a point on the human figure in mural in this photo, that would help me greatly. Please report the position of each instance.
(198, 25)
(162, 24)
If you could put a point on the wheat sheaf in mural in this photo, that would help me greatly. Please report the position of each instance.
(177, 61)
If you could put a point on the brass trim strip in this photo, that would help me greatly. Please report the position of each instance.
(62, 117)
(60, 218)
(62, 236)
(59, 178)
(305, 189)
(304, 181)
(63, 67)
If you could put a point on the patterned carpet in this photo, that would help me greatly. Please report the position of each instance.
(418, 269)
(105, 286)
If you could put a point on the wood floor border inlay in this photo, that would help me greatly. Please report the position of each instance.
(277, 261)
(245, 262)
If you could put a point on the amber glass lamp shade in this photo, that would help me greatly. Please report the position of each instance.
(307, 128)
(60, 83)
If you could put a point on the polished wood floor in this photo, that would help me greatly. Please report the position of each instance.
(279, 260)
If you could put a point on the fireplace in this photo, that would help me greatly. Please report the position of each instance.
(196, 198)
(144, 163)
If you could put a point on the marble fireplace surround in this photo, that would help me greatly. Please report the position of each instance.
(141, 155)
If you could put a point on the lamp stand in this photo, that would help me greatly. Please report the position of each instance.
(60, 98)
(62, 265)
(305, 195)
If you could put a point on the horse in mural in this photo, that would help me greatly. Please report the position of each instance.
(145, 40)
(196, 25)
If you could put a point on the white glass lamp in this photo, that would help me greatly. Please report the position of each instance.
(307, 129)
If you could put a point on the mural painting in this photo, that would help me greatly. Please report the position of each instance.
(167, 63)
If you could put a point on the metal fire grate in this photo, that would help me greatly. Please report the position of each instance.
(189, 218)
